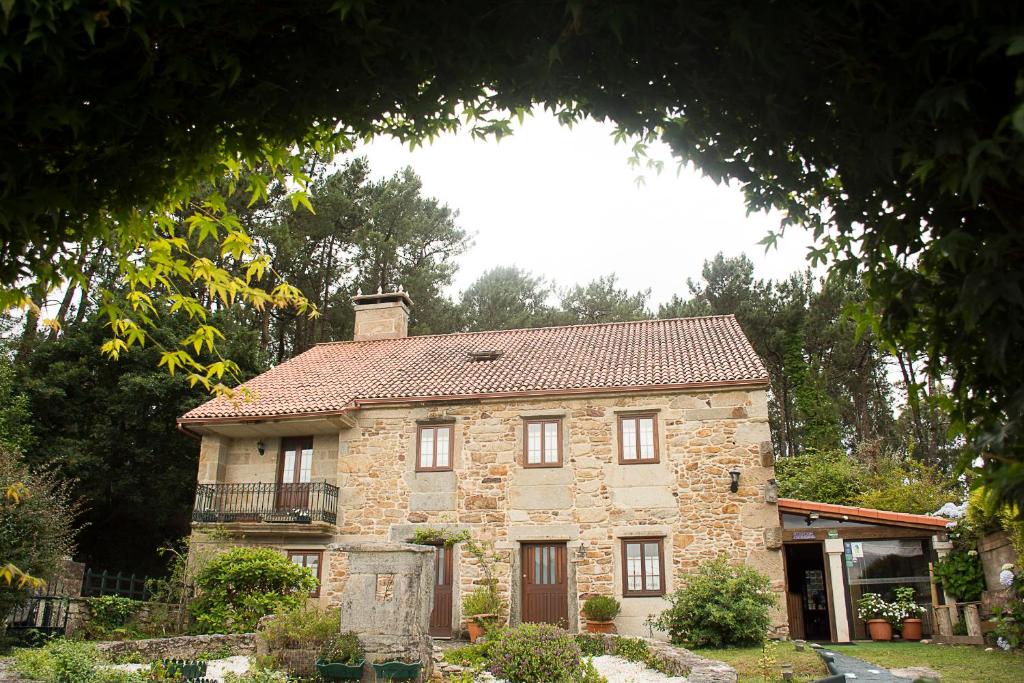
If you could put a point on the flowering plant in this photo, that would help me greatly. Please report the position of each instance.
(909, 609)
(872, 606)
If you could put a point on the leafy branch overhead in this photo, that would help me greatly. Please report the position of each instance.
(894, 132)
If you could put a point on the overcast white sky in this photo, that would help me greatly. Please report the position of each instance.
(564, 204)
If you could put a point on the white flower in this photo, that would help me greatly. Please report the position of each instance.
(1001, 642)
(972, 553)
(1007, 567)
(1006, 578)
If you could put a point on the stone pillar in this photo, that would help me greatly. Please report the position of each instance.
(834, 549)
(387, 599)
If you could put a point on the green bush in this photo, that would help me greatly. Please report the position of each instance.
(590, 645)
(719, 605)
(111, 615)
(301, 628)
(633, 649)
(60, 661)
(483, 600)
(342, 648)
(539, 653)
(474, 656)
(239, 587)
(601, 608)
(961, 575)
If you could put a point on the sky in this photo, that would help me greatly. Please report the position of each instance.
(564, 203)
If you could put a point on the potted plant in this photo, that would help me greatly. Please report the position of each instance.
(910, 613)
(879, 614)
(341, 658)
(481, 608)
(397, 670)
(600, 611)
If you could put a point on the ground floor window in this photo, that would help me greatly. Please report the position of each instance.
(643, 570)
(882, 566)
(311, 560)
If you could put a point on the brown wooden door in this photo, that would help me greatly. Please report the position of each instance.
(294, 472)
(545, 584)
(441, 615)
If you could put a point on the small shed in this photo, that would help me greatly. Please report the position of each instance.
(836, 553)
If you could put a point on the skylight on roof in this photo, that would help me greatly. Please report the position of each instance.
(485, 355)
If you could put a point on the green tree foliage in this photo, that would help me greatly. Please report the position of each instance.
(719, 604)
(110, 427)
(895, 136)
(907, 485)
(821, 476)
(242, 585)
(15, 427)
(601, 301)
(506, 298)
(37, 527)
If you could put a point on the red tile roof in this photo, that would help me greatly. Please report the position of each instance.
(333, 377)
(862, 514)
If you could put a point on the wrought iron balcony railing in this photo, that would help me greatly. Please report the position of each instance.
(281, 503)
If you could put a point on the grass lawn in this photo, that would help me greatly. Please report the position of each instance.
(956, 663)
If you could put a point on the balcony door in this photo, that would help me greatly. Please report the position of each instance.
(294, 473)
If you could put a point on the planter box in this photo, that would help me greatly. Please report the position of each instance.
(340, 672)
(397, 671)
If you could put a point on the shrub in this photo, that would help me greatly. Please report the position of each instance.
(301, 628)
(473, 656)
(961, 575)
(239, 587)
(537, 653)
(343, 648)
(873, 606)
(601, 608)
(38, 530)
(483, 600)
(590, 645)
(111, 615)
(633, 649)
(719, 605)
(60, 661)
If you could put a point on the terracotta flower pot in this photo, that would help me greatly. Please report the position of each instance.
(600, 626)
(475, 626)
(911, 629)
(880, 629)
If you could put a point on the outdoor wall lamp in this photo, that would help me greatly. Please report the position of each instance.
(261, 447)
(811, 517)
(734, 485)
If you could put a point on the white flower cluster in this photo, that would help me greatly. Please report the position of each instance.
(1006, 575)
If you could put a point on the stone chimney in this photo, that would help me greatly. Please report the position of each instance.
(381, 315)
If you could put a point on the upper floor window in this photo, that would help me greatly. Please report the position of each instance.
(296, 466)
(311, 560)
(638, 438)
(434, 448)
(543, 442)
(643, 567)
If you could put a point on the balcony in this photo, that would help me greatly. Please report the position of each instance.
(269, 508)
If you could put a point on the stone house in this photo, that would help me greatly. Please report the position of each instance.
(590, 459)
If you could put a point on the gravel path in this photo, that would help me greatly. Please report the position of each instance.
(215, 669)
(619, 670)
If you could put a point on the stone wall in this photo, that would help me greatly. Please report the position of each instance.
(591, 503)
(180, 647)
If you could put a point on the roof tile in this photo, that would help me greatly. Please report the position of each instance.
(338, 375)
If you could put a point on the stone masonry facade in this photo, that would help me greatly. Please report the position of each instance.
(591, 502)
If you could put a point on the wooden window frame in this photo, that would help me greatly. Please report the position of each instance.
(526, 441)
(654, 435)
(319, 566)
(451, 446)
(300, 442)
(626, 592)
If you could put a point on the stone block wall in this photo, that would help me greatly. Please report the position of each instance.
(591, 503)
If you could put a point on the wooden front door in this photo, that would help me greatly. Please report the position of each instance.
(441, 615)
(294, 472)
(545, 584)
